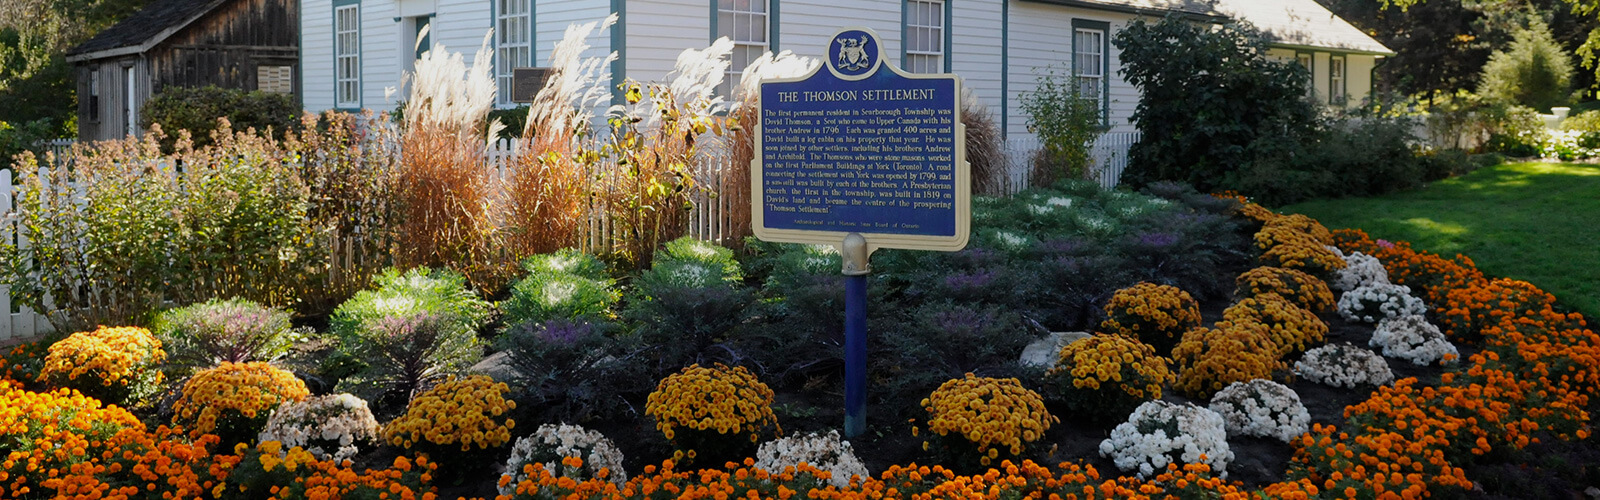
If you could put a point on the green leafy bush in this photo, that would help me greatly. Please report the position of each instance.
(567, 284)
(414, 329)
(1066, 122)
(196, 110)
(571, 370)
(435, 291)
(216, 331)
(687, 305)
(1534, 71)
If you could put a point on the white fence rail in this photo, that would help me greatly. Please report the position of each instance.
(712, 217)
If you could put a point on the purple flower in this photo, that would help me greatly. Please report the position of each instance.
(1385, 244)
(561, 331)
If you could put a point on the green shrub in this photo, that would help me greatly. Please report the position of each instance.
(216, 331)
(687, 305)
(414, 328)
(571, 370)
(1514, 130)
(567, 284)
(24, 136)
(1587, 121)
(196, 109)
(1533, 71)
(1066, 122)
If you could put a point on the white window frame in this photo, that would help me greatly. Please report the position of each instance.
(757, 41)
(1338, 66)
(924, 36)
(513, 43)
(347, 56)
(1089, 65)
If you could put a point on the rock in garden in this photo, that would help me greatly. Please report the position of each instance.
(1043, 352)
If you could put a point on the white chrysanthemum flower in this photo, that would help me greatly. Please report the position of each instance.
(826, 452)
(1360, 270)
(329, 427)
(1412, 338)
(1159, 433)
(1379, 301)
(1343, 365)
(1262, 408)
(551, 443)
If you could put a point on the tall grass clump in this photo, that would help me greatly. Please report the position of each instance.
(446, 189)
(986, 153)
(546, 192)
(742, 137)
(653, 146)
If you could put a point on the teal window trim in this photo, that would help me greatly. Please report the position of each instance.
(360, 60)
(1311, 58)
(619, 44)
(1005, 67)
(1344, 80)
(1105, 62)
(772, 26)
(949, 40)
(905, 44)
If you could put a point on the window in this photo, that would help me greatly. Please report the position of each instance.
(1089, 64)
(347, 56)
(744, 22)
(130, 113)
(1305, 59)
(94, 95)
(1336, 80)
(924, 32)
(279, 79)
(513, 42)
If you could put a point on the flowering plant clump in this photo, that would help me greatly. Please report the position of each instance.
(1161, 433)
(1155, 314)
(1304, 289)
(1414, 339)
(1285, 247)
(1289, 328)
(699, 406)
(1262, 408)
(1360, 270)
(1377, 302)
(1303, 224)
(110, 364)
(236, 331)
(329, 427)
(22, 363)
(1106, 375)
(1343, 365)
(1354, 240)
(460, 412)
(1469, 310)
(46, 433)
(552, 445)
(826, 452)
(234, 400)
(271, 470)
(1209, 359)
(989, 414)
(1257, 213)
(1432, 277)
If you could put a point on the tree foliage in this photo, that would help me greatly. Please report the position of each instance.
(1585, 10)
(1065, 121)
(1206, 96)
(1534, 71)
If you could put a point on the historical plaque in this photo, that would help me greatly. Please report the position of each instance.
(527, 82)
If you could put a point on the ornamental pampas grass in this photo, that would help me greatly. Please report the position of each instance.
(736, 179)
(446, 188)
(545, 191)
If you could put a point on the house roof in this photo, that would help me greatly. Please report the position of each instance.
(142, 30)
(1302, 24)
(1196, 8)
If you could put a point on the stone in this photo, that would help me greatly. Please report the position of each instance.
(496, 366)
(1043, 352)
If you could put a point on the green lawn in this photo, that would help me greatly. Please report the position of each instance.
(1538, 222)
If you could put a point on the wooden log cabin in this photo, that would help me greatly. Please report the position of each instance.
(242, 44)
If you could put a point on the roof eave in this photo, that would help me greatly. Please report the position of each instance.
(1212, 18)
(149, 42)
(1343, 50)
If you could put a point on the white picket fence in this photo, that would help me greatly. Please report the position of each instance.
(710, 219)
(1109, 156)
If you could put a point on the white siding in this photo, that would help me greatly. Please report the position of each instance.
(659, 30)
(805, 26)
(976, 49)
(1359, 69)
(460, 25)
(1041, 36)
(316, 54)
(381, 48)
(553, 17)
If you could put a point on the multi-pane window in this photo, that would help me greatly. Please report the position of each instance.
(745, 23)
(1336, 80)
(513, 46)
(1088, 62)
(1305, 61)
(94, 95)
(347, 56)
(924, 36)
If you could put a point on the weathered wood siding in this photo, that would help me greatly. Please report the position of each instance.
(225, 46)
(112, 122)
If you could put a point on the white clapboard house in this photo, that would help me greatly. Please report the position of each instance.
(353, 49)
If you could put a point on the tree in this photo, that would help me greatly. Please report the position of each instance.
(1582, 8)
(1207, 97)
(1439, 45)
(1534, 71)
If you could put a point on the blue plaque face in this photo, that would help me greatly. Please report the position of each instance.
(861, 147)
